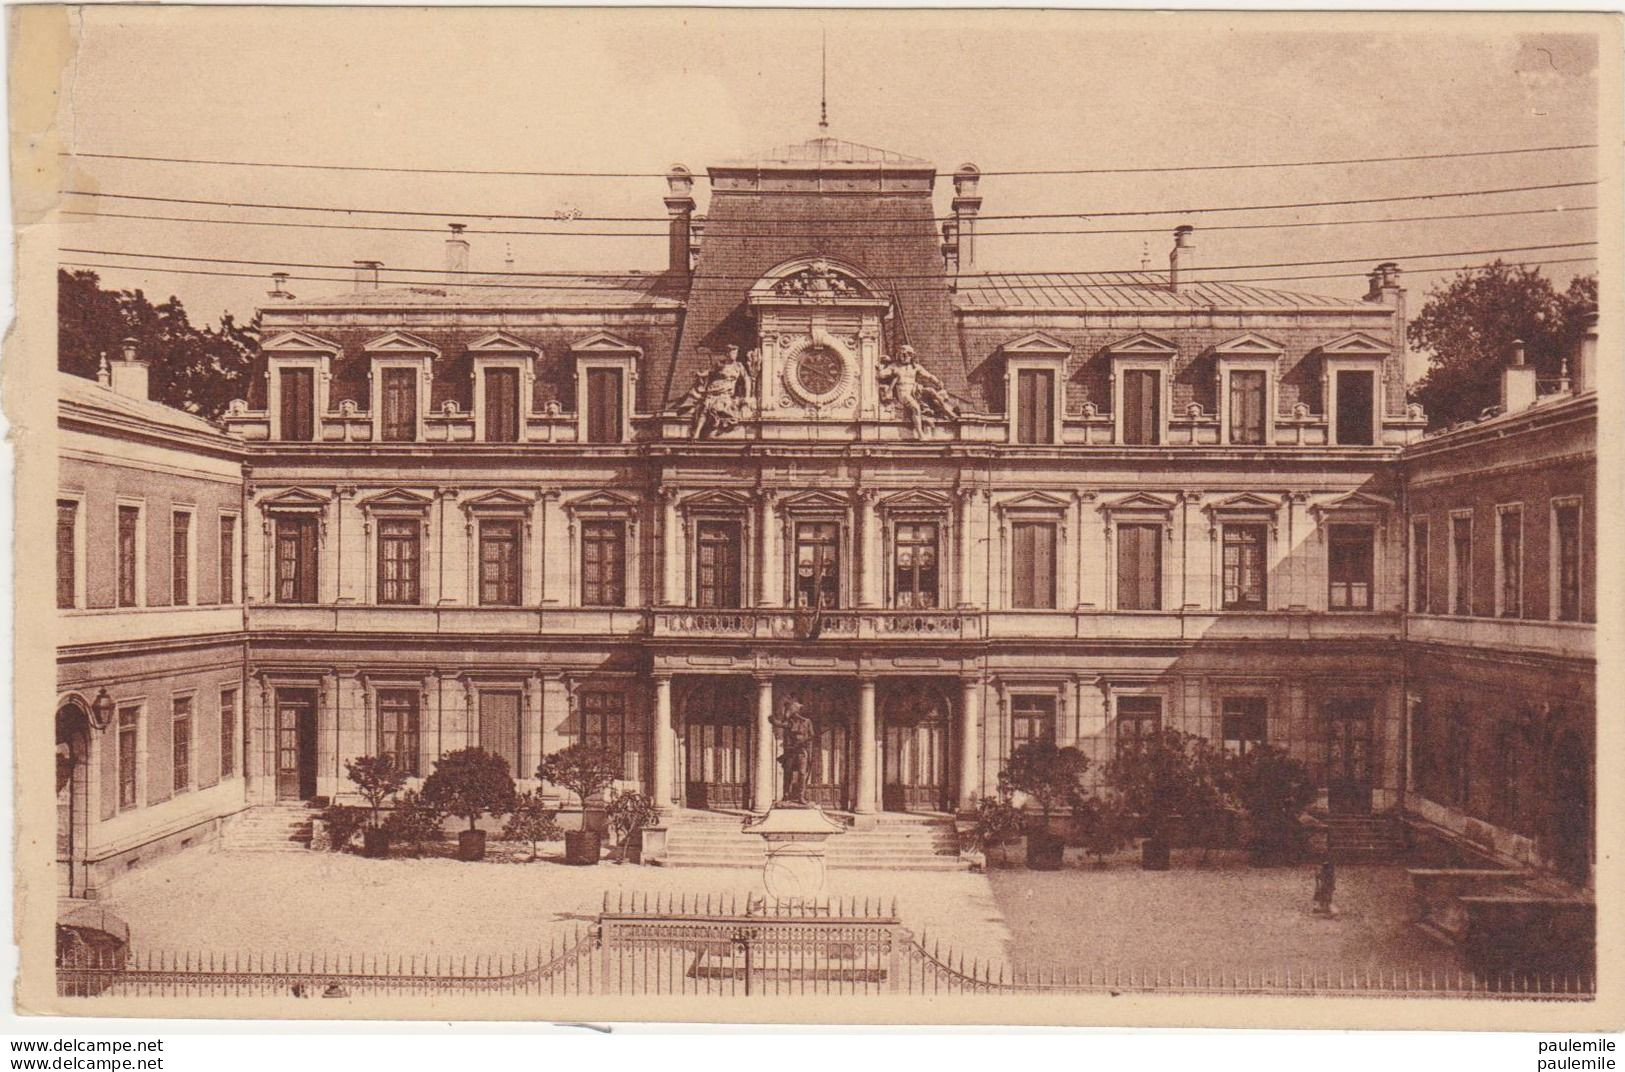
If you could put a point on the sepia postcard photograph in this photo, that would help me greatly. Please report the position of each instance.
(816, 516)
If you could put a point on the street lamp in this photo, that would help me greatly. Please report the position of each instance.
(101, 710)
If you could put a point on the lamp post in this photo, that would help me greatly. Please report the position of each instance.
(101, 710)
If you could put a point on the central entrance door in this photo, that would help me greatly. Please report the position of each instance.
(916, 719)
(716, 745)
(1348, 756)
(295, 744)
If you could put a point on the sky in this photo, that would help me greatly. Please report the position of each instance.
(638, 91)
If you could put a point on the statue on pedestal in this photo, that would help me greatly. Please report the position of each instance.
(917, 391)
(797, 734)
(720, 398)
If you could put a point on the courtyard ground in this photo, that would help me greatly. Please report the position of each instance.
(1222, 916)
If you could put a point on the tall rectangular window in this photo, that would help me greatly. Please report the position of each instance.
(1566, 522)
(1032, 718)
(1035, 406)
(1242, 722)
(67, 557)
(298, 404)
(1349, 567)
(129, 554)
(1032, 564)
(1355, 408)
(129, 758)
(398, 728)
(603, 564)
(717, 580)
(1421, 573)
(296, 560)
(1461, 566)
(1244, 569)
(181, 744)
(1142, 407)
(400, 400)
(501, 405)
(228, 559)
(180, 558)
(1139, 567)
(604, 404)
(1510, 563)
(1139, 718)
(818, 564)
(1247, 393)
(914, 566)
(398, 559)
(228, 732)
(499, 563)
(608, 722)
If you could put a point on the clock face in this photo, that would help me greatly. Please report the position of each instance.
(819, 371)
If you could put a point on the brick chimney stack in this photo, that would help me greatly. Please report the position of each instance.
(1182, 258)
(950, 248)
(683, 243)
(967, 205)
(1383, 288)
(129, 374)
(1517, 382)
(456, 254)
(366, 274)
(1585, 362)
(279, 287)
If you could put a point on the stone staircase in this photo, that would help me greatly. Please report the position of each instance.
(269, 828)
(897, 842)
(1365, 837)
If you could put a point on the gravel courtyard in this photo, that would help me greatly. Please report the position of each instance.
(1220, 916)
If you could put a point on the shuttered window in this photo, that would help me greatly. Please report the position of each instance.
(1511, 522)
(296, 560)
(1032, 563)
(501, 405)
(129, 723)
(180, 558)
(398, 728)
(604, 417)
(499, 563)
(228, 559)
(1139, 567)
(1035, 406)
(603, 564)
(716, 567)
(1247, 392)
(1461, 565)
(129, 558)
(228, 732)
(398, 555)
(400, 399)
(1349, 567)
(1142, 407)
(67, 562)
(180, 744)
(298, 404)
(1244, 569)
(1567, 523)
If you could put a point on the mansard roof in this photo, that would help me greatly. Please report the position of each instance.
(827, 152)
(1145, 291)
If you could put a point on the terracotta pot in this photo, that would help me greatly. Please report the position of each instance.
(471, 845)
(582, 847)
(374, 843)
(1045, 851)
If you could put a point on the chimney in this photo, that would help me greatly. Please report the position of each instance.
(967, 204)
(696, 236)
(681, 248)
(104, 374)
(456, 254)
(950, 248)
(366, 274)
(1383, 288)
(129, 374)
(1517, 382)
(1585, 361)
(279, 287)
(1182, 258)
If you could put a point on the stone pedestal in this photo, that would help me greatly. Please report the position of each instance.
(794, 836)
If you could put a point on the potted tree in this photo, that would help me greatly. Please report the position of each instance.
(586, 771)
(630, 814)
(996, 822)
(1048, 776)
(415, 823)
(1101, 827)
(533, 820)
(377, 779)
(1274, 789)
(1156, 781)
(470, 784)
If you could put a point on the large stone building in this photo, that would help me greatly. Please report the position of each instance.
(820, 457)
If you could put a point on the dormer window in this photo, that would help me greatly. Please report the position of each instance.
(398, 423)
(606, 372)
(1247, 371)
(504, 381)
(1142, 368)
(1352, 387)
(402, 367)
(298, 408)
(298, 367)
(1035, 373)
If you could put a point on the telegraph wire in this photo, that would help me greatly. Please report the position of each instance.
(520, 173)
(836, 221)
(91, 214)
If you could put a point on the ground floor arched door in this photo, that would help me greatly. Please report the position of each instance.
(716, 719)
(72, 796)
(916, 720)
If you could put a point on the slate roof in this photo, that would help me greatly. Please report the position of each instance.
(610, 290)
(827, 152)
(1128, 290)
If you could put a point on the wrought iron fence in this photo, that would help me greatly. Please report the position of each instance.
(740, 946)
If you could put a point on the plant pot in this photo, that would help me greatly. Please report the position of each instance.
(582, 847)
(1045, 851)
(375, 843)
(471, 845)
(1154, 854)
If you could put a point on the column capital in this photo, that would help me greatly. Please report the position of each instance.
(661, 677)
(762, 677)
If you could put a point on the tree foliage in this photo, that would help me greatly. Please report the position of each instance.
(1165, 775)
(470, 783)
(583, 769)
(533, 820)
(1274, 789)
(196, 369)
(1047, 774)
(377, 779)
(1468, 326)
(414, 822)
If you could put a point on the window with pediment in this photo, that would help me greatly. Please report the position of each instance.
(603, 527)
(402, 366)
(916, 524)
(298, 367)
(1142, 374)
(498, 528)
(296, 520)
(1034, 531)
(1353, 379)
(1138, 527)
(1247, 374)
(1352, 527)
(504, 375)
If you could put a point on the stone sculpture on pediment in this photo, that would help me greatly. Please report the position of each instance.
(915, 390)
(720, 397)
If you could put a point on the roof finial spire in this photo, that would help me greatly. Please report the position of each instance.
(823, 81)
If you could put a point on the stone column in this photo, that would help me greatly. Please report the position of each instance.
(769, 529)
(871, 549)
(761, 773)
(671, 556)
(966, 497)
(868, 786)
(665, 743)
(970, 751)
